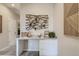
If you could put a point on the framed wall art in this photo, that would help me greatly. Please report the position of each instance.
(71, 19)
(0, 24)
(36, 22)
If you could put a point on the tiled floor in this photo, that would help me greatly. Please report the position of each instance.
(11, 51)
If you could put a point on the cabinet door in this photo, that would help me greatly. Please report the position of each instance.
(71, 19)
(48, 47)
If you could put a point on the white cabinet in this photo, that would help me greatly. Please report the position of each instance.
(48, 47)
(33, 45)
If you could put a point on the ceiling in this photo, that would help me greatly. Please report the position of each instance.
(15, 7)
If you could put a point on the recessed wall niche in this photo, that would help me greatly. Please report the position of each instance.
(71, 19)
(36, 22)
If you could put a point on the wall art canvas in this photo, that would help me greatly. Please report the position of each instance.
(0, 24)
(36, 22)
(71, 19)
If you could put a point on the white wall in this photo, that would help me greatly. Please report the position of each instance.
(7, 17)
(68, 45)
(36, 9)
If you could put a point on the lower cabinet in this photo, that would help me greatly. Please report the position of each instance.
(48, 47)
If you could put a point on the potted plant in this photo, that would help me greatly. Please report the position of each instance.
(51, 35)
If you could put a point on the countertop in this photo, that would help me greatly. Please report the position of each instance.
(35, 38)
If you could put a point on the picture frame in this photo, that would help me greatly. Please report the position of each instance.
(0, 23)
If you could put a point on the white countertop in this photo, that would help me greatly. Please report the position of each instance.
(34, 38)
